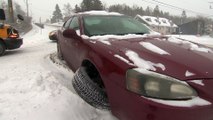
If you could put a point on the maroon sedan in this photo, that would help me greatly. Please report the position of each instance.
(138, 76)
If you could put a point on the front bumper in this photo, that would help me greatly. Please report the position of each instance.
(13, 43)
(146, 109)
(129, 106)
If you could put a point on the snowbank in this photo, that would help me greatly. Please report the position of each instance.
(205, 40)
(32, 87)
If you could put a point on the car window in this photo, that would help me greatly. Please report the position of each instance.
(67, 24)
(131, 25)
(74, 24)
(115, 25)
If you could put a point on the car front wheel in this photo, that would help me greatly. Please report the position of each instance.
(90, 91)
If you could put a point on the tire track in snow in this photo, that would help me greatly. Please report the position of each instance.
(80, 110)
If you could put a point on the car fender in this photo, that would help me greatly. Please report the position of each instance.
(112, 75)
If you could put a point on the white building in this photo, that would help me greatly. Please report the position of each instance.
(161, 25)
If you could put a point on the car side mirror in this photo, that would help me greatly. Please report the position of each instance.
(70, 33)
(20, 17)
(53, 35)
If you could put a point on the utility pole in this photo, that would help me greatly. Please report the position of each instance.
(210, 7)
(27, 5)
(10, 10)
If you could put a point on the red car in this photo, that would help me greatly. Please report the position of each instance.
(138, 76)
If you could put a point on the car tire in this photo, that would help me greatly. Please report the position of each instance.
(59, 54)
(2, 48)
(90, 91)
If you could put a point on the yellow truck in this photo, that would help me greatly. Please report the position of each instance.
(9, 36)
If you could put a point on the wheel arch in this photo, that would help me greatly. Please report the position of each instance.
(2, 41)
(108, 70)
(90, 64)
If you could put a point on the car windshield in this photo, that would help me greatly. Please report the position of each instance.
(112, 25)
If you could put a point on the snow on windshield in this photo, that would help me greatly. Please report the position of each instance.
(154, 48)
(119, 37)
(105, 38)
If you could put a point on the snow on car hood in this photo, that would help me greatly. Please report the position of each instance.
(173, 57)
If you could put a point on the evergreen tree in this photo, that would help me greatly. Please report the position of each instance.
(87, 5)
(127, 10)
(68, 11)
(183, 16)
(148, 11)
(156, 11)
(116, 8)
(77, 8)
(166, 15)
(97, 5)
(57, 15)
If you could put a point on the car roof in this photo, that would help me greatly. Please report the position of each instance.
(98, 13)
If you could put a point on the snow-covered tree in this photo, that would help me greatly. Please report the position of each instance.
(183, 16)
(57, 15)
(91, 5)
(156, 11)
(77, 8)
(68, 11)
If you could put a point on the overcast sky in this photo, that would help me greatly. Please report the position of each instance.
(45, 8)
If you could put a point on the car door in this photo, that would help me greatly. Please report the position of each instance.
(72, 44)
(63, 40)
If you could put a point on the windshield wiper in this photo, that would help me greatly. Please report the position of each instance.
(139, 33)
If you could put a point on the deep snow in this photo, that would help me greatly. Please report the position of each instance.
(32, 87)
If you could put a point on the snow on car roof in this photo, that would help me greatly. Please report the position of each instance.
(95, 12)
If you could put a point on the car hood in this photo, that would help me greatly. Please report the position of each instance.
(170, 56)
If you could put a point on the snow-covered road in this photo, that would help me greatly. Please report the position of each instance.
(32, 87)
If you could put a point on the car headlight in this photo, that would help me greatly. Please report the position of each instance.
(155, 85)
